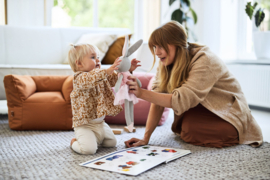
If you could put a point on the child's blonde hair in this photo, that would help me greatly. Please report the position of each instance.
(78, 51)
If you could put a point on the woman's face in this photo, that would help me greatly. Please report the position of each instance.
(166, 59)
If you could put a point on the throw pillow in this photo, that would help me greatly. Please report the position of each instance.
(115, 50)
(101, 41)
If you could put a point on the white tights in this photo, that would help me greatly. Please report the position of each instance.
(89, 136)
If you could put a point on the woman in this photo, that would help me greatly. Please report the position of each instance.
(209, 107)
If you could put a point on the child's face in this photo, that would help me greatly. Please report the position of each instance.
(166, 59)
(89, 62)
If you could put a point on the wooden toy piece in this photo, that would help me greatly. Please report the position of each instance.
(117, 131)
(126, 129)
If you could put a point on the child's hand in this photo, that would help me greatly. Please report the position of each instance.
(134, 64)
(114, 66)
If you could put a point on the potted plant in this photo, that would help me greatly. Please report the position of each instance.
(261, 38)
(182, 15)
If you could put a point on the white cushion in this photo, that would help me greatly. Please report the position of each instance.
(101, 41)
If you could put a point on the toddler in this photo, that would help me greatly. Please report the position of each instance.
(92, 99)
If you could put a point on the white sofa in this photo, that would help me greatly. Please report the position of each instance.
(40, 50)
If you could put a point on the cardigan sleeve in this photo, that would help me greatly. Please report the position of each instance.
(199, 83)
(86, 80)
(112, 79)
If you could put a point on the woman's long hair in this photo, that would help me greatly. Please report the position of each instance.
(174, 75)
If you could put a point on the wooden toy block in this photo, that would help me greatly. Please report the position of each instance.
(126, 129)
(117, 131)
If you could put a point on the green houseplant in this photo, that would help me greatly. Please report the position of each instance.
(259, 15)
(261, 38)
(185, 14)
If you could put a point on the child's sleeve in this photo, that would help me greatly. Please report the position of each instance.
(86, 80)
(112, 78)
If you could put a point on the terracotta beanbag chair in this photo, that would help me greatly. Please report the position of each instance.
(39, 102)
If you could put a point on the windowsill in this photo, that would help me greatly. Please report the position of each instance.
(247, 62)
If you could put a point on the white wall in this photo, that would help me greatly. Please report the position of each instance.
(208, 25)
(29, 12)
(216, 26)
(138, 19)
(151, 17)
(228, 29)
(166, 10)
(146, 18)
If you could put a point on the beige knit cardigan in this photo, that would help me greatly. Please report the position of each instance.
(211, 84)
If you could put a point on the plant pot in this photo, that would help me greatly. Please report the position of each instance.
(262, 44)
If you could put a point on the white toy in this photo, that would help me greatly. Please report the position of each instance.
(121, 88)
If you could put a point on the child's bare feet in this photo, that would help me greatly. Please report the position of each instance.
(72, 141)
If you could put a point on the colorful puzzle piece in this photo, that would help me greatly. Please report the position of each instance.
(142, 159)
(114, 157)
(165, 150)
(122, 166)
(132, 163)
(125, 167)
(154, 150)
(152, 154)
(99, 163)
(133, 152)
(169, 150)
(145, 147)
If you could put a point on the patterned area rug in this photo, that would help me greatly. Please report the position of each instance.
(46, 155)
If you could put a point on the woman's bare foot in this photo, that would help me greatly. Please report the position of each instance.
(72, 141)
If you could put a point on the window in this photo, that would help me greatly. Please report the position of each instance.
(140, 16)
(3, 16)
(244, 35)
(266, 23)
(93, 13)
(245, 30)
(116, 13)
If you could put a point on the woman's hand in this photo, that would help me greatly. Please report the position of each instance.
(134, 87)
(133, 142)
(134, 64)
